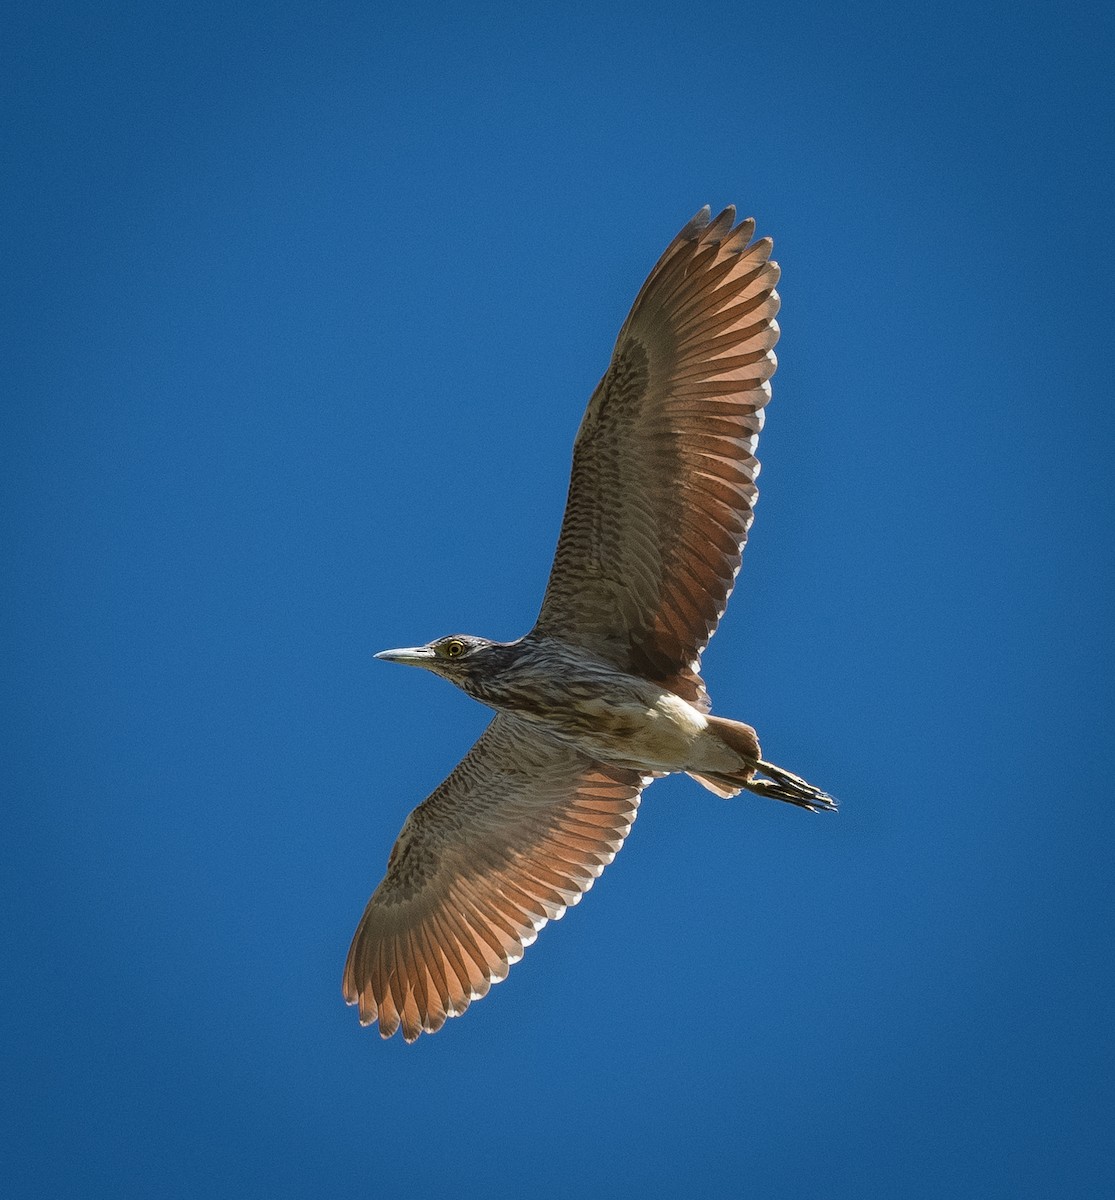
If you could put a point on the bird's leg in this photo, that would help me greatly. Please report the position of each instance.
(784, 785)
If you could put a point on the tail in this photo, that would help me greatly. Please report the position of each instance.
(778, 784)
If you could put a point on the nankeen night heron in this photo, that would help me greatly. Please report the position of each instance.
(604, 694)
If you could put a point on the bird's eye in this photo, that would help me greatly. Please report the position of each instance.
(454, 649)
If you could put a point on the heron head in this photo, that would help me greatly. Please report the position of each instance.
(449, 656)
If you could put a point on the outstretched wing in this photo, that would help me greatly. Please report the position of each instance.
(664, 465)
(517, 833)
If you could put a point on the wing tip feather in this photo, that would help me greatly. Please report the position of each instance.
(696, 224)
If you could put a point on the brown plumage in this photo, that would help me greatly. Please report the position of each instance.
(605, 692)
(664, 468)
(470, 882)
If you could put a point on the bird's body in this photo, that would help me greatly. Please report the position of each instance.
(577, 696)
(604, 693)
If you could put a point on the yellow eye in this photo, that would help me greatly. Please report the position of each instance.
(454, 649)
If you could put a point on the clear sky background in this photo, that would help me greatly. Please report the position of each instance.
(304, 304)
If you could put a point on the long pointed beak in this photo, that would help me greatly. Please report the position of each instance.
(411, 656)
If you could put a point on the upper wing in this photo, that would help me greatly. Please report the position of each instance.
(664, 464)
(518, 832)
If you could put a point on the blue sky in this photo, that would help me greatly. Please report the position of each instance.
(307, 302)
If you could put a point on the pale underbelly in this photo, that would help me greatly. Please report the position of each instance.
(666, 734)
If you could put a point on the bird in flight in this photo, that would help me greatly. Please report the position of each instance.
(605, 693)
